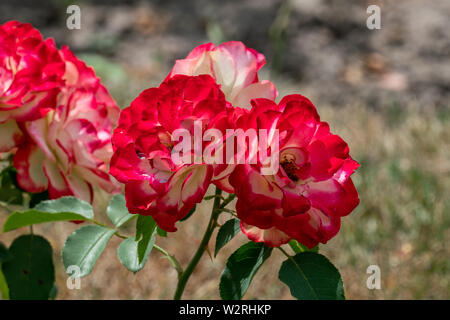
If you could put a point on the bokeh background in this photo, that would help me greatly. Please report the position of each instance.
(386, 92)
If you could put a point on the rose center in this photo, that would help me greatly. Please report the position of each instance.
(289, 166)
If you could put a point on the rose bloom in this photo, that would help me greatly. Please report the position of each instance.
(31, 71)
(68, 151)
(154, 184)
(233, 66)
(306, 198)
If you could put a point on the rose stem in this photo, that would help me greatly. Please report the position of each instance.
(183, 279)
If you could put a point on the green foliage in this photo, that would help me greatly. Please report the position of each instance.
(36, 198)
(62, 209)
(145, 233)
(311, 276)
(67, 204)
(29, 272)
(128, 254)
(53, 292)
(299, 248)
(4, 290)
(226, 233)
(10, 192)
(4, 256)
(84, 246)
(133, 252)
(117, 211)
(161, 232)
(241, 267)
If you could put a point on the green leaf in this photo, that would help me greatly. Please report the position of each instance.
(30, 272)
(299, 247)
(226, 233)
(67, 204)
(62, 209)
(190, 213)
(161, 232)
(53, 292)
(84, 246)
(4, 290)
(10, 193)
(37, 198)
(117, 211)
(4, 254)
(128, 253)
(241, 267)
(145, 228)
(311, 276)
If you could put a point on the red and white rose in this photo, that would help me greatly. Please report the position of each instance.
(31, 74)
(233, 66)
(312, 189)
(155, 184)
(67, 152)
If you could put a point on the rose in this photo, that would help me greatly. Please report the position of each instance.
(54, 109)
(234, 67)
(155, 184)
(312, 189)
(68, 151)
(31, 71)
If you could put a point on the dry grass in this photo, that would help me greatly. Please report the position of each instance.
(401, 225)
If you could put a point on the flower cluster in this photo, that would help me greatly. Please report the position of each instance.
(218, 88)
(55, 116)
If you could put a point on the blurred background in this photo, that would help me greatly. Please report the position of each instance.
(386, 92)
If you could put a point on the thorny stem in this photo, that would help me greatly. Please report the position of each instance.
(227, 200)
(227, 210)
(213, 196)
(184, 277)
